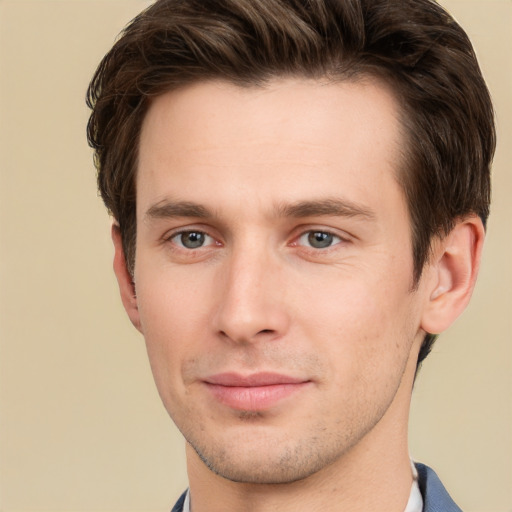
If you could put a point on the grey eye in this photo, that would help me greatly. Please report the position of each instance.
(319, 239)
(190, 239)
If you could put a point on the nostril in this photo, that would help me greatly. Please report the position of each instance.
(224, 334)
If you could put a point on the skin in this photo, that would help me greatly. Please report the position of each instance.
(233, 183)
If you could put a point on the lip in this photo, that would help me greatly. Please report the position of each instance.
(255, 392)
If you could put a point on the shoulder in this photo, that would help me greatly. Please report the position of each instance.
(435, 496)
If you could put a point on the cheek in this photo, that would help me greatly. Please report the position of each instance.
(364, 325)
(170, 301)
(174, 319)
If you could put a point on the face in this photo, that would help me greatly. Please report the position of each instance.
(273, 271)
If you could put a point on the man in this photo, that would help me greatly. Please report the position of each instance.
(299, 192)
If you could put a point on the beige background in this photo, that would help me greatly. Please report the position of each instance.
(82, 428)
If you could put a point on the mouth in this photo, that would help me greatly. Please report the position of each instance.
(255, 392)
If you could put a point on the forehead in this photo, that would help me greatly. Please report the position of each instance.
(291, 137)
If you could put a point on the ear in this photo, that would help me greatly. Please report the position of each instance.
(452, 274)
(124, 278)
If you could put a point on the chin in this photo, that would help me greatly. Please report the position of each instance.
(263, 472)
(268, 462)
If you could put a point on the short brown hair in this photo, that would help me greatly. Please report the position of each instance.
(413, 45)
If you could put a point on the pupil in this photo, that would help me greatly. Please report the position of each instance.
(192, 240)
(320, 240)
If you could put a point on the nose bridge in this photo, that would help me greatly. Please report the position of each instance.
(251, 304)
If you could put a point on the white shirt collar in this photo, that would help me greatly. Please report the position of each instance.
(415, 503)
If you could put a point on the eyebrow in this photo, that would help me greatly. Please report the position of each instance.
(166, 209)
(170, 209)
(332, 206)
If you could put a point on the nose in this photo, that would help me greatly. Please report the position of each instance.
(252, 303)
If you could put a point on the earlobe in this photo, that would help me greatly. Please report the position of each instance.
(124, 278)
(452, 274)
